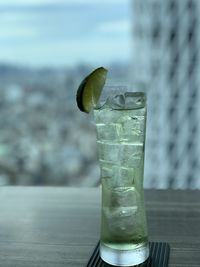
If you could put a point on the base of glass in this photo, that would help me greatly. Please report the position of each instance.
(124, 257)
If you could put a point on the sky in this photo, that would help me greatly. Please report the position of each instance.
(64, 32)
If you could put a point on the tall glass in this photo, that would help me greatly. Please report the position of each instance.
(121, 127)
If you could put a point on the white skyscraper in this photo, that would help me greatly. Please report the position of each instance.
(166, 58)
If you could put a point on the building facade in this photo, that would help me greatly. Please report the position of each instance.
(166, 48)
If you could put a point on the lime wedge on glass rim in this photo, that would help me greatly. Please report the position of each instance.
(90, 89)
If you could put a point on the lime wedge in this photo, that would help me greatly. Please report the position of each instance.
(89, 90)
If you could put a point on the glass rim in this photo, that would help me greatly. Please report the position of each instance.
(122, 100)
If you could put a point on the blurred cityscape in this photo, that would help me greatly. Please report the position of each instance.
(45, 139)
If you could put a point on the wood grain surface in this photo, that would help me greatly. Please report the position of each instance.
(54, 227)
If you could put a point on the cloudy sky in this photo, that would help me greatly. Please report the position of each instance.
(64, 32)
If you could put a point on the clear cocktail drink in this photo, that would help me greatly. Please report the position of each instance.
(121, 127)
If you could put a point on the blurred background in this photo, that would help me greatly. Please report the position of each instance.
(47, 47)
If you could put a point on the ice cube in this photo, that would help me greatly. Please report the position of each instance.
(131, 127)
(134, 100)
(121, 221)
(121, 212)
(113, 176)
(123, 196)
(117, 101)
(108, 151)
(108, 132)
(122, 177)
(131, 155)
(106, 172)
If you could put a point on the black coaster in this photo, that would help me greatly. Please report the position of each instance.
(159, 256)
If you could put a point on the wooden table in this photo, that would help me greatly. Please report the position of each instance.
(54, 227)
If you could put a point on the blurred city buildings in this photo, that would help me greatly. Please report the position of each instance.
(166, 51)
(45, 139)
